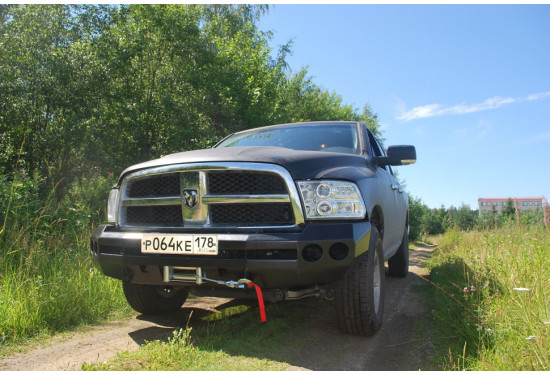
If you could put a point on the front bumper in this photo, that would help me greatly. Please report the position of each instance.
(271, 260)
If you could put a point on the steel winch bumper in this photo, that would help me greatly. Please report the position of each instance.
(319, 254)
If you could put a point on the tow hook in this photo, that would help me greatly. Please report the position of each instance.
(241, 283)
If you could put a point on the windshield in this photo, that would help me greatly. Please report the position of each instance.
(315, 137)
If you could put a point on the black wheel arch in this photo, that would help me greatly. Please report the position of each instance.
(376, 219)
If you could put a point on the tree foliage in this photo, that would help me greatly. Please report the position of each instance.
(99, 87)
(426, 221)
(509, 209)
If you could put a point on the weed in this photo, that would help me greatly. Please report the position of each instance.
(491, 290)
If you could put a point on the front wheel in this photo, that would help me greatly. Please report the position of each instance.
(359, 297)
(153, 299)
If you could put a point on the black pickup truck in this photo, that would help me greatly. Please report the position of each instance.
(306, 209)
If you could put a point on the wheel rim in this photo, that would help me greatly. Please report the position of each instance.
(376, 282)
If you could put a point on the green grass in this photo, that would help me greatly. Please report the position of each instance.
(53, 287)
(179, 354)
(491, 295)
(230, 340)
(48, 283)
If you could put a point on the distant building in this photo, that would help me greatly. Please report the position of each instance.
(487, 204)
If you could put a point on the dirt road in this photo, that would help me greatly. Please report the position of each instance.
(398, 346)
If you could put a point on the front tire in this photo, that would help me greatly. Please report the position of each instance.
(359, 297)
(153, 299)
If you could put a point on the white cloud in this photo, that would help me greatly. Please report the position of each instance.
(432, 110)
(429, 110)
(540, 95)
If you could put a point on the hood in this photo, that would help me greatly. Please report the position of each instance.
(300, 164)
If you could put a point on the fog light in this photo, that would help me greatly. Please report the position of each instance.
(312, 253)
(338, 251)
(112, 206)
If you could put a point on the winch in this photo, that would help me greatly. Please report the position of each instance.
(195, 274)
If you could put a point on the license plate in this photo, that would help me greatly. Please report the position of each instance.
(189, 244)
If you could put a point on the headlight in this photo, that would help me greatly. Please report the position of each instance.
(112, 206)
(331, 200)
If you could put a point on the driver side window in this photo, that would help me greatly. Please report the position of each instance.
(378, 150)
(375, 146)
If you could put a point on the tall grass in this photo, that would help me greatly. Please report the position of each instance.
(491, 294)
(47, 280)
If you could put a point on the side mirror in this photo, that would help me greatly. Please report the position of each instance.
(398, 155)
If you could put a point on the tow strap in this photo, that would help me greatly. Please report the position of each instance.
(260, 297)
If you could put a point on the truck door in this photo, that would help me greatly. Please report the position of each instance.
(392, 199)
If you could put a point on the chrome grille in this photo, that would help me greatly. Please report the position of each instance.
(224, 195)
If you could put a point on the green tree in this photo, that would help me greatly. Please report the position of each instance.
(464, 218)
(435, 221)
(509, 209)
(417, 213)
(301, 99)
(48, 86)
(96, 88)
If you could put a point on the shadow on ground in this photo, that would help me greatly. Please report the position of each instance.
(195, 316)
(304, 333)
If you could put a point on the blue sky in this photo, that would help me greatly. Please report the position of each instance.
(468, 85)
